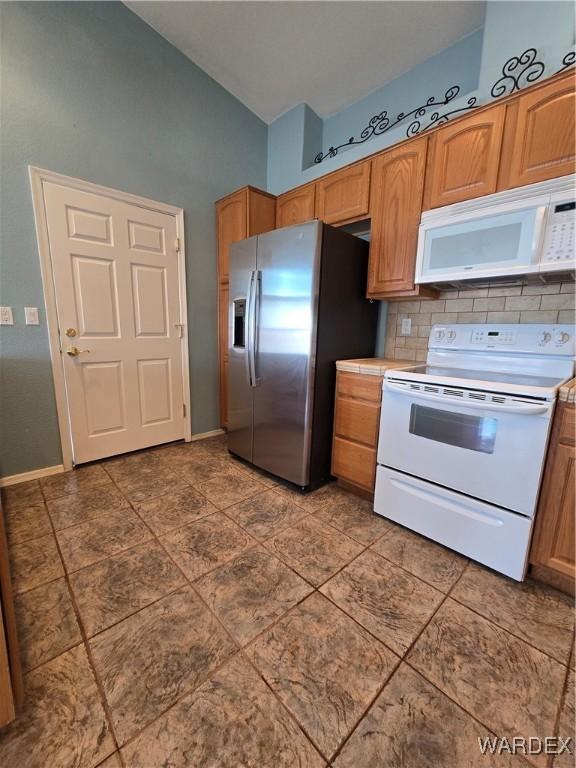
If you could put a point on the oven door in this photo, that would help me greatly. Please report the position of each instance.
(491, 451)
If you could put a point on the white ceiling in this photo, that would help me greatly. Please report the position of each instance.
(274, 55)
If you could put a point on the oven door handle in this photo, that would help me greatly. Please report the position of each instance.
(524, 410)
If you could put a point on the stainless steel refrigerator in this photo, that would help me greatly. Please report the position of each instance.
(297, 304)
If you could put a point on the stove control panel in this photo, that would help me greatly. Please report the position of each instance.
(538, 339)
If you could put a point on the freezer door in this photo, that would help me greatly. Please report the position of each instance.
(240, 321)
(286, 314)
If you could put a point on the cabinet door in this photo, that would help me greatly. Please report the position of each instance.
(464, 158)
(345, 195)
(395, 205)
(231, 226)
(553, 544)
(295, 207)
(543, 144)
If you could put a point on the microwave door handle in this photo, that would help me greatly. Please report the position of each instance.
(249, 335)
(539, 233)
(521, 409)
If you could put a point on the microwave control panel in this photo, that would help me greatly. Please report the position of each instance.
(559, 242)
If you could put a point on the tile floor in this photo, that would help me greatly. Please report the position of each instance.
(178, 608)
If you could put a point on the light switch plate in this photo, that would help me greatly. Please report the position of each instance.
(6, 317)
(406, 326)
(31, 316)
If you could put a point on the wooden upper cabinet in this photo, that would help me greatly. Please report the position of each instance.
(345, 195)
(464, 158)
(542, 135)
(296, 206)
(395, 207)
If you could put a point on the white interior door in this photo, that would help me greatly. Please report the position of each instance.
(116, 282)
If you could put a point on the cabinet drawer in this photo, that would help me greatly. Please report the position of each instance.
(354, 463)
(363, 386)
(357, 420)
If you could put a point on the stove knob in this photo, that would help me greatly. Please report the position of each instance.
(561, 337)
(451, 335)
(439, 335)
(544, 337)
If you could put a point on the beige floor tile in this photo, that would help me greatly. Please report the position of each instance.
(46, 623)
(35, 562)
(433, 563)
(510, 687)
(89, 542)
(355, 517)
(251, 592)
(22, 495)
(314, 549)
(323, 667)
(174, 510)
(137, 488)
(566, 726)
(133, 465)
(229, 488)
(78, 507)
(198, 466)
(392, 604)
(204, 545)
(413, 725)
(534, 612)
(252, 471)
(155, 656)
(111, 762)
(232, 720)
(62, 723)
(312, 501)
(112, 589)
(79, 479)
(24, 523)
(266, 514)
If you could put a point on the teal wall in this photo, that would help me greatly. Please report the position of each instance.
(89, 90)
(474, 63)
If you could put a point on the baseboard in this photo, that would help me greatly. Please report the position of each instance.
(34, 474)
(204, 435)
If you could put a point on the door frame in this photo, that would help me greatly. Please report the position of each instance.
(40, 176)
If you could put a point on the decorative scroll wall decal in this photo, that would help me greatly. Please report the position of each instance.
(517, 72)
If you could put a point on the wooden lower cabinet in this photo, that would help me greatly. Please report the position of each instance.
(11, 679)
(553, 555)
(356, 424)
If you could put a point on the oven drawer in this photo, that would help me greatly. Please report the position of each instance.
(492, 536)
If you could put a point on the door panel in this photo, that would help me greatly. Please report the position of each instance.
(116, 280)
(289, 265)
(344, 196)
(464, 158)
(240, 393)
(295, 207)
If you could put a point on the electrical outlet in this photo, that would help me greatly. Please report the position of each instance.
(31, 316)
(6, 317)
(406, 326)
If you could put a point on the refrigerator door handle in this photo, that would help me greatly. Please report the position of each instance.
(250, 330)
(256, 324)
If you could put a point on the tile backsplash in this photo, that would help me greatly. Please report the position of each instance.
(495, 304)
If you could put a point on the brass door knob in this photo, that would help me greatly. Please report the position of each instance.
(74, 351)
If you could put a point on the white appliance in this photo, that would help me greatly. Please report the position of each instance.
(463, 438)
(525, 231)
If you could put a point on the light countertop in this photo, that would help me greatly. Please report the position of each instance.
(373, 366)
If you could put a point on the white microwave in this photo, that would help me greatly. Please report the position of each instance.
(518, 232)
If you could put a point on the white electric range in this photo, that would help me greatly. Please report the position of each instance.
(463, 438)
